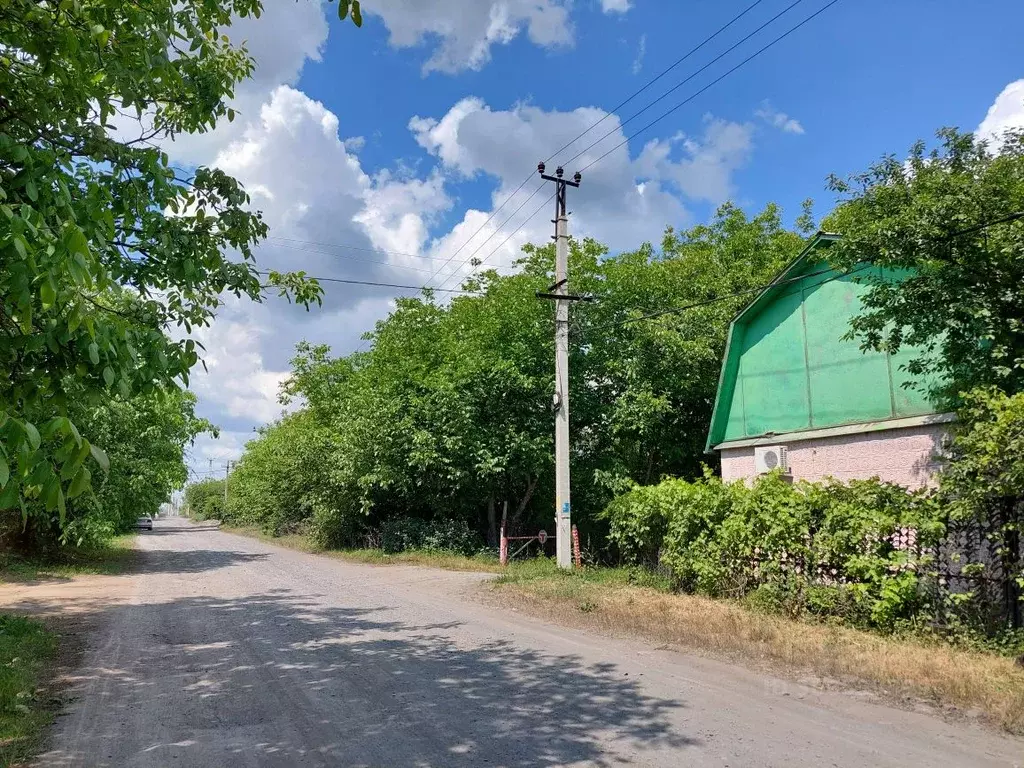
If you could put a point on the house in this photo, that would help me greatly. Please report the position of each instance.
(793, 393)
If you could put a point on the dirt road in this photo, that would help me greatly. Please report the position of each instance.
(225, 651)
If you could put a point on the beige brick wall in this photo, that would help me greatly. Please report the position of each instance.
(907, 456)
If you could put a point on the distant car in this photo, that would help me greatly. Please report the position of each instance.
(145, 522)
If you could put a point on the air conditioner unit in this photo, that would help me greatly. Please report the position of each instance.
(771, 457)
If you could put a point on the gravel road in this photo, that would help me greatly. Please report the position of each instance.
(226, 651)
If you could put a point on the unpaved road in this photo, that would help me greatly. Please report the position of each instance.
(225, 651)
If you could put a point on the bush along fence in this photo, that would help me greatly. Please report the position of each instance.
(865, 553)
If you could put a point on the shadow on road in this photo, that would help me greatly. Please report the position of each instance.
(278, 678)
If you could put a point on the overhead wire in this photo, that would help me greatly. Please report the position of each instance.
(655, 79)
(686, 101)
(683, 82)
(591, 127)
(376, 283)
(693, 96)
(1009, 218)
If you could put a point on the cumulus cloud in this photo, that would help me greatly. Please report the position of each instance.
(1006, 112)
(235, 381)
(465, 32)
(622, 201)
(332, 218)
(777, 119)
(701, 167)
(616, 6)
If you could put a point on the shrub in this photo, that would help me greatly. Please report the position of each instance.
(399, 534)
(826, 549)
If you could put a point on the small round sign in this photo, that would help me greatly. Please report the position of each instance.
(542, 536)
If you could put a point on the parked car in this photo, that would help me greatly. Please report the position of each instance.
(145, 523)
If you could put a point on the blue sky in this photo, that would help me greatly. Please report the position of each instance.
(376, 152)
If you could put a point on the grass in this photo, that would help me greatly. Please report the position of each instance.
(110, 558)
(428, 558)
(26, 648)
(618, 601)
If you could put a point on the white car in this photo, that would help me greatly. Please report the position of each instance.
(145, 522)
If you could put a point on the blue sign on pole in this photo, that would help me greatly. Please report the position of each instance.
(565, 509)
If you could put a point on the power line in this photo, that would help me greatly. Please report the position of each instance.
(714, 82)
(727, 296)
(979, 227)
(377, 284)
(681, 83)
(496, 231)
(695, 95)
(656, 78)
(486, 222)
(608, 114)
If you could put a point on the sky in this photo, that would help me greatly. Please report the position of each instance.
(380, 153)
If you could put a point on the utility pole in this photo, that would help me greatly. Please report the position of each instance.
(227, 472)
(560, 295)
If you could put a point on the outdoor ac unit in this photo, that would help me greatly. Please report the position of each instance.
(771, 457)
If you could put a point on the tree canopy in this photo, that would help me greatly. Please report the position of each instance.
(109, 254)
(949, 223)
(449, 412)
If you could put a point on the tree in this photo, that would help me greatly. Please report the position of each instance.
(105, 246)
(942, 227)
(449, 412)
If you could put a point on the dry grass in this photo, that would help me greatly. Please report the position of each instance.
(428, 559)
(990, 686)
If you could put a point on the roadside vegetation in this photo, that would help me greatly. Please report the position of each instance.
(421, 443)
(108, 557)
(906, 667)
(109, 258)
(26, 648)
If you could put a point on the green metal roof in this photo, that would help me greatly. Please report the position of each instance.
(787, 369)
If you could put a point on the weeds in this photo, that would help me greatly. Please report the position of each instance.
(26, 647)
(111, 557)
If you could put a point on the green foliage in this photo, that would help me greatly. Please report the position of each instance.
(821, 548)
(449, 413)
(205, 500)
(400, 534)
(104, 245)
(983, 487)
(26, 649)
(146, 437)
(930, 221)
(281, 479)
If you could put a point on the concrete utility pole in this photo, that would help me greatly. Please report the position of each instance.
(227, 473)
(560, 295)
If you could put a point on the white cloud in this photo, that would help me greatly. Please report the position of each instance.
(777, 119)
(465, 32)
(638, 62)
(616, 6)
(621, 202)
(297, 160)
(235, 379)
(707, 164)
(1006, 112)
(208, 455)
